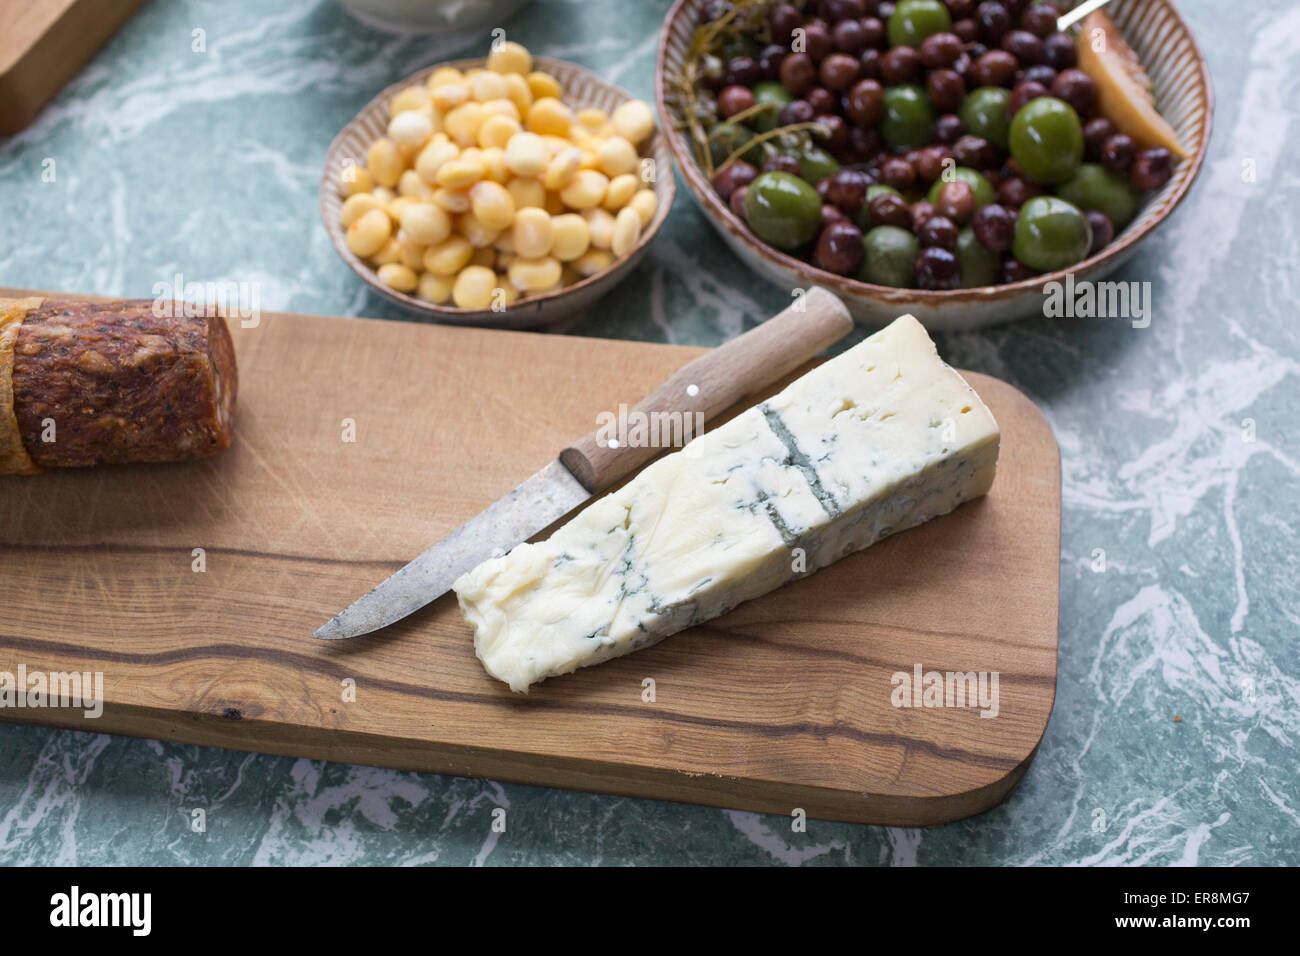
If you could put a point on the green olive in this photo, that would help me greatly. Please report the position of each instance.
(775, 97)
(890, 257)
(985, 112)
(914, 20)
(815, 164)
(979, 264)
(980, 186)
(1051, 234)
(726, 138)
(783, 210)
(1046, 140)
(908, 118)
(1096, 187)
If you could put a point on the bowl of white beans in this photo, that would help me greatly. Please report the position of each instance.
(509, 191)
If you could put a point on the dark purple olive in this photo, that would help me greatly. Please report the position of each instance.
(743, 70)
(874, 28)
(975, 152)
(1015, 191)
(936, 267)
(897, 172)
(798, 73)
(965, 29)
(796, 111)
(713, 10)
(930, 159)
(865, 141)
(848, 189)
(735, 99)
(866, 103)
(922, 212)
(955, 201)
(831, 131)
(849, 36)
(782, 163)
(869, 63)
(1013, 270)
(939, 50)
(817, 40)
(737, 202)
(839, 71)
(1103, 231)
(1095, 132)
(1077, 88)
(1118, 152)
(1152, 168)
(887, 209)
(1023, 45)
(839, 249)
(769, 61)
(784, 20)
(994, 227)
(843, 9)
(939, 230)
(900, 64)
(946, 89)
(1040, 19)
(732, 177)
(994, 21)
(994, 68)
(832, 214)
(948, 129)
(821, 100)
(1022, 93)
(1058, 51)
(960, 8)
(1039, 73)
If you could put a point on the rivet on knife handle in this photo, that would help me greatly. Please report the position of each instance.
(720, 379)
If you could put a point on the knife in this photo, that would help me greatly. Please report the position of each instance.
(710, 385)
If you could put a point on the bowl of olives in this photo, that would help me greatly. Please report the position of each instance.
(944, 157)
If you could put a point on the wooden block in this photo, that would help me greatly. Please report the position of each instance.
(43, 43)
(784, 703)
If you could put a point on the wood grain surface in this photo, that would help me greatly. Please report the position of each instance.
(43, 43)
(785, 703)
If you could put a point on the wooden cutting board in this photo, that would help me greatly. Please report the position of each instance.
(43, 43)
(783, 704)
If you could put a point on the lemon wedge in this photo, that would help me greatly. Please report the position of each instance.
(1123, 87)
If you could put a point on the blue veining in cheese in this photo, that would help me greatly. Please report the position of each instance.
(876, 440)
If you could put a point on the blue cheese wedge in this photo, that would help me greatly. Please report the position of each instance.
(877, 440)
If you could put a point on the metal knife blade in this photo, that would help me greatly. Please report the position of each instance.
(539, 502)
(703, 388)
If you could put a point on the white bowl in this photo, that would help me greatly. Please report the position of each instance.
(582, 88)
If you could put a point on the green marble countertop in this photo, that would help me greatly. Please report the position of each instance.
(206, 163)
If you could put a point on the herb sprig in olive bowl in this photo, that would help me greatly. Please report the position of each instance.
(944, 157)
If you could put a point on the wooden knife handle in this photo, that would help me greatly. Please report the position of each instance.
(714, 382)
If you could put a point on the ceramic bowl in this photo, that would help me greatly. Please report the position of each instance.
(582, 88)
(1181, 79)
